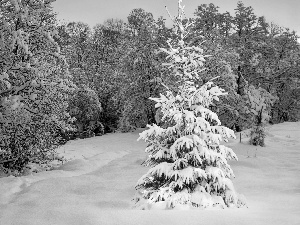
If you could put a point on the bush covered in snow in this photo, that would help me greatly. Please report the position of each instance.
(259, 103)
(84, 105)
(189, 166)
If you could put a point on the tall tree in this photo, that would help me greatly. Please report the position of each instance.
(141, 68)
(34, 82)
(188, 165)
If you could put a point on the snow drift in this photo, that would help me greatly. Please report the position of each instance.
(97, 186)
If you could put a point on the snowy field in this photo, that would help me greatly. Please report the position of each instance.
(97, 186)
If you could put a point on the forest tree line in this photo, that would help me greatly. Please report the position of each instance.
(60, 79)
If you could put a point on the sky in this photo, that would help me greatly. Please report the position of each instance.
(282, 12)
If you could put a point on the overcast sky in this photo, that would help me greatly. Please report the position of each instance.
(285, 13)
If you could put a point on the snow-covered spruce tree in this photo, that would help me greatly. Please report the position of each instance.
(189, 166)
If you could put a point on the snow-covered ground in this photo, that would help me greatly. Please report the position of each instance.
(97, 186)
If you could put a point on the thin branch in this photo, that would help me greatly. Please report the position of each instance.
(173, 19)
(8, 160)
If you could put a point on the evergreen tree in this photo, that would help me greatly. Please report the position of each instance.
(188, 164)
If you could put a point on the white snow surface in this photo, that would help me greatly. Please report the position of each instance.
(96, 187)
